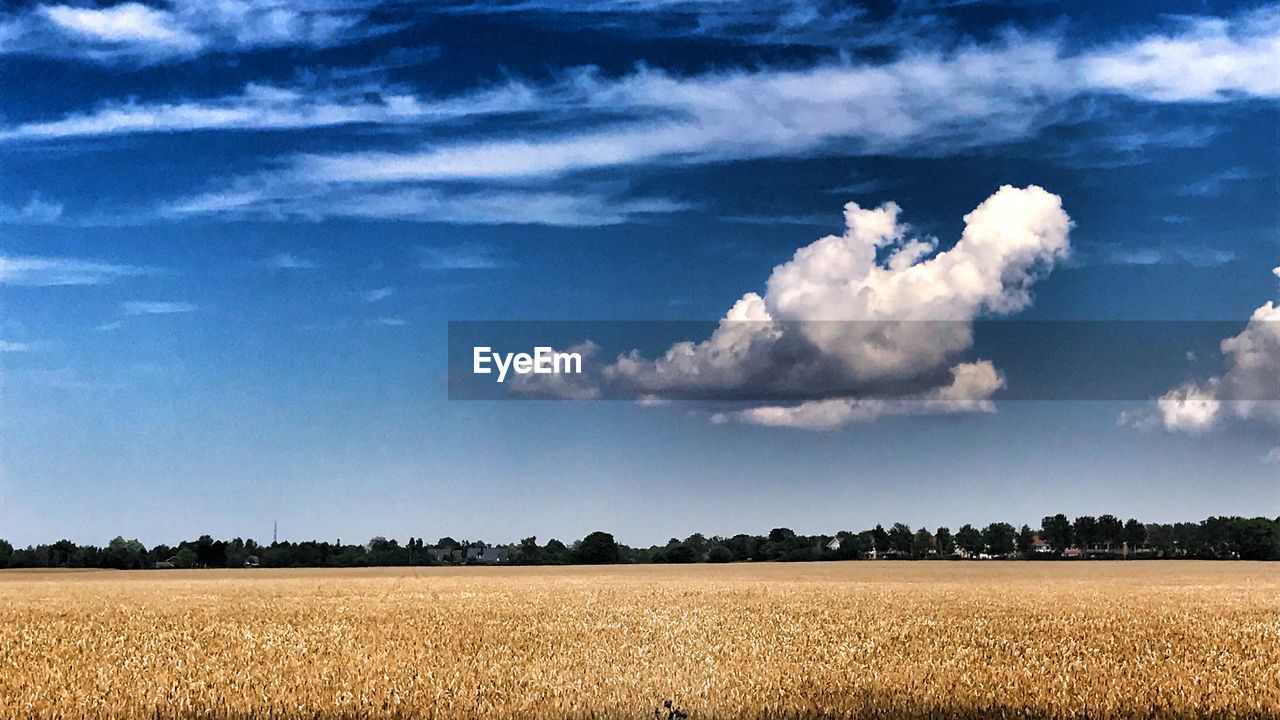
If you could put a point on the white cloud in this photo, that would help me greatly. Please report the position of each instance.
(1208, 59)
(274, 107)
(923, 102)
(1217, 183)
(10, 346)
(177, 29)
(34, 212)
(129, 22)
(1272, 457)
(387, 322)
(139, 307)
(1197, 256)
(288, 261)
(377, 294)
(1248, 390)
(868, 323)
(970, 391)
(469, 256)
(875, 306)
(52, 271)
(271, 200)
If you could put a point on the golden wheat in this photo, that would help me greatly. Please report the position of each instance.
(1096, 640)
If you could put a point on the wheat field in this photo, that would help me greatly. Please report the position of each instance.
(831, 640)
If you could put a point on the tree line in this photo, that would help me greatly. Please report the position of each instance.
(1057, 538)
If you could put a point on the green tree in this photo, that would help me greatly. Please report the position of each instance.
(1135, 533)
(946, 544)
(1085, 531)
(922, 544)
(1000, 538)
(1160, 536)
(1110, 531)
(185, 558)
(598, 548)
(718, 553)
(1056, 530)
(900, 537)
(1025, 538)
(969, 539)
(6, 553)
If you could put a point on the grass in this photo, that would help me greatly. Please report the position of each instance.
(831, 640)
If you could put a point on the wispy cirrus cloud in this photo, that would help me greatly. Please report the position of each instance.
(1217, 183)
(377, 294)
(1134, 254)
(150, 307)
(52, 271)
(177, 29)
(262, 198)
(36, 211)
(10, 346)
(924, 101)
(274, 107)
(468, 256)
(288, 261)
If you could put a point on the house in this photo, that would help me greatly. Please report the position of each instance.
(486, 555)
(834, 545)
(1038, 545)
(167, 564)
(1073, 553)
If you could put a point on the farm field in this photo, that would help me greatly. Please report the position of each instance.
(830, 640)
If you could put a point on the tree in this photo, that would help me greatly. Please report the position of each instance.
(719, 554)
(1160, 537)
(969, 539)
(1110, 530)
(598, 548)
(1025, 538)
(879, 539)
(900, 538)
(124, 554)
(1255, 539)
(1135, 533)
(528, 552)
(1085, 530)
(185, 558)
(1056, 530)
(946, 544)
(922, 544)
(1000, 538)
(781, 535)
(6, 553)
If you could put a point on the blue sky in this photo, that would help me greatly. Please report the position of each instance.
(232, 234)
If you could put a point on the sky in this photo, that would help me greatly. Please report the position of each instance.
(233, 235)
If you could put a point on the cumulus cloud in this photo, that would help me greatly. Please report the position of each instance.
(873, 307)
(51, 271)
(1248, 390)
(868, 323)
(970, 391)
